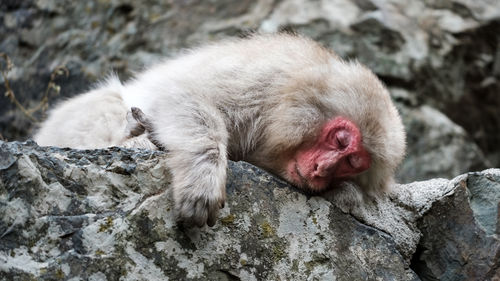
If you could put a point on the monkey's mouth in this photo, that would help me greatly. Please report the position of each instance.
(315, 184)
(302, 179)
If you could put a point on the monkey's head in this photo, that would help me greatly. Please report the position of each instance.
(336, 154)
(335, 123)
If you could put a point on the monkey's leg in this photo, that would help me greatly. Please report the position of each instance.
(196, 138)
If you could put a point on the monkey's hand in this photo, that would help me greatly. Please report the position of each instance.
(199, 204)
(199, 183)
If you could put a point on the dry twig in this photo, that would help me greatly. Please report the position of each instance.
(44, 102)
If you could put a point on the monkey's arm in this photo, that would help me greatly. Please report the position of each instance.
(197, 158)
(196, 139)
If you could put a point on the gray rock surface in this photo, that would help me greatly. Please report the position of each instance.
(460, 233)
(442, 54)
(437, 147)
(106, 214)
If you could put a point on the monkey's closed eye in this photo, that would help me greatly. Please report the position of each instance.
(343, 139)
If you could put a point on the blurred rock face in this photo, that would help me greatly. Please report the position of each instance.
(441, 59)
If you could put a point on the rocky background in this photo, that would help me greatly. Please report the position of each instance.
(440, 59)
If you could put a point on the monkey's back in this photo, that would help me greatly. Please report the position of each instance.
(244, 79)
(240, 77)
(230, 71)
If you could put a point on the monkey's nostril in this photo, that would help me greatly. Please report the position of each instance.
(317, 172)
(320, 171)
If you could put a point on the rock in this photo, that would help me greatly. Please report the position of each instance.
(460, 233)
(96, 214)
(68, 213)
(437, 147)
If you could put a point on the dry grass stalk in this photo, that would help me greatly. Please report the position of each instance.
(43, 105)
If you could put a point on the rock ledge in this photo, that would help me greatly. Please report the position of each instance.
(105, 215)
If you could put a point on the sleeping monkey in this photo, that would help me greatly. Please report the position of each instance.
(281, 102)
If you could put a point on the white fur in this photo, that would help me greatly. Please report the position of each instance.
(95, 119)
(249, 99)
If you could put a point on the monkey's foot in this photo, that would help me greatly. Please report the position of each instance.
(138, 126)
(141, 141)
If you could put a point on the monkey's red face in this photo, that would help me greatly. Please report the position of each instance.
(337, 154)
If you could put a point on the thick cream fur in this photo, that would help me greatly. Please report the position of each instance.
(256, 99)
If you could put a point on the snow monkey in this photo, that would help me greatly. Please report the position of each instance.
(281, 102)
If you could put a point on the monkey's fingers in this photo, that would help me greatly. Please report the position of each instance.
(198, 212)
(213, 211)
(142, 119)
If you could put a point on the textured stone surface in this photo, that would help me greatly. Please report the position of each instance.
(461, 232)
(437, 147)
(443, 54)
(95, 214)
(67, 213)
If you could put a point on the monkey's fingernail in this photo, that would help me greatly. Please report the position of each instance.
(211, 221)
